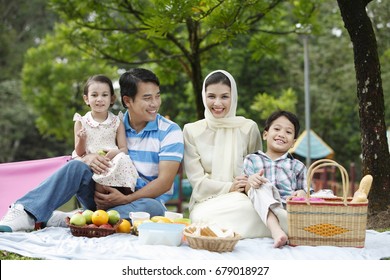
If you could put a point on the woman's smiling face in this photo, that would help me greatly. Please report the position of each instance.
(218, 99)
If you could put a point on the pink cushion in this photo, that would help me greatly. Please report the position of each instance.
(18, 178)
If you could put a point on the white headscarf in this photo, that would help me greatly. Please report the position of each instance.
(228, 149)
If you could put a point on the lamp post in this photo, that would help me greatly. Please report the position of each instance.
(307, 96)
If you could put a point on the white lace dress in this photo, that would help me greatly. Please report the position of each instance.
(102, 136)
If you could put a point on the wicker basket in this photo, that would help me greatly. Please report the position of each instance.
(90, 232)
(213, 244)
(330, 221)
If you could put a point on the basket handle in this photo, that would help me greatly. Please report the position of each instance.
(328, 162)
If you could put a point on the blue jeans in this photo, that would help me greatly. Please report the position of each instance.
(75, 178)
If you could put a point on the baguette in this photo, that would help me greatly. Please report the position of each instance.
(364, 188)
(359, 197)
(365, 184)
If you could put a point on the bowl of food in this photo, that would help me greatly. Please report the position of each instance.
(211, 238)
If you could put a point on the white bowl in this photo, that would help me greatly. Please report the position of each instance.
(160, 234)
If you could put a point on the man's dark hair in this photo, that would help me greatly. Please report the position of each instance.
(129, 80)
(290, 116)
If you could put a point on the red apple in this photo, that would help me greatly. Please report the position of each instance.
(106, 226)
(92, 226)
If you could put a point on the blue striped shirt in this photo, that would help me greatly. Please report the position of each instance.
(286, 173)
(160, 140)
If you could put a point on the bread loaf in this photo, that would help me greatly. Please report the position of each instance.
(359, 196)
(365, 184)
(364, 188)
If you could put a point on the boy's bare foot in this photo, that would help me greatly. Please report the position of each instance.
(280, 238)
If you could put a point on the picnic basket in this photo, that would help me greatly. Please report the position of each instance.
(212, 244)
(327, 221)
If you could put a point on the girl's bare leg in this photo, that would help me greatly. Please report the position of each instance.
(279, 236)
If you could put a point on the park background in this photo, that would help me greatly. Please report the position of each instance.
(49, 48)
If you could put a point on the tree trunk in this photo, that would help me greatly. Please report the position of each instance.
(375, 151)
(194, 58)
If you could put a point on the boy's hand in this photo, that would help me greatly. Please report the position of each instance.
(299, 193)
(257, 179)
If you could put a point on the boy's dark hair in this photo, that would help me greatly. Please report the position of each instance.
(216, 78)
(129, 80)
(290, 116)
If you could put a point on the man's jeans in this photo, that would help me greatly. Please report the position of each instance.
(75, 178)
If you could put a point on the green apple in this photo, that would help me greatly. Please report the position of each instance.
(88, 216)
(113, 217)
(78, 220)
(102, 152)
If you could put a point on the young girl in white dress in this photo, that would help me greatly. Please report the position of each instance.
(100, 131)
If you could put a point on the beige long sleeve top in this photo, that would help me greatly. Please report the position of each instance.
(199, 143)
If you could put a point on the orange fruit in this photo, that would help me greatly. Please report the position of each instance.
(99, 217)
(124, 227)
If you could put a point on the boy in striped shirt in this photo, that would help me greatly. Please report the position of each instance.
(275, 174)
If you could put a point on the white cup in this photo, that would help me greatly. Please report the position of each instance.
(139, 216)
(173, 215)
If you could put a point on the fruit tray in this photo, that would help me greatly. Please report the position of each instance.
(91, 231)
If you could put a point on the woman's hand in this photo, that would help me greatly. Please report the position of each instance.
(108, 197)
(98, 164)
(239, 184)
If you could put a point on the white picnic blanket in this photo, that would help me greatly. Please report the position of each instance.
(59, 244)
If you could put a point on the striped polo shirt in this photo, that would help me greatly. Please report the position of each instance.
(160, 140)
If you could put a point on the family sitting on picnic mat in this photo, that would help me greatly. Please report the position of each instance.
(129, 163)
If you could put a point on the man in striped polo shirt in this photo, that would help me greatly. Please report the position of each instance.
(155, 145)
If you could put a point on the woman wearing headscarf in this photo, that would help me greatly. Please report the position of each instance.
(215, 148)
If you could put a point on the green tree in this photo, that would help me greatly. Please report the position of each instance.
(375, 151)
(22, 25)
(22, 22)
(265, 104)
(53, 81)
(174, 34)
(13, 124)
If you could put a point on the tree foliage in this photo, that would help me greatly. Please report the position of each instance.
(53, 81)
(175, 36)
(265, 104)
(22, 24)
